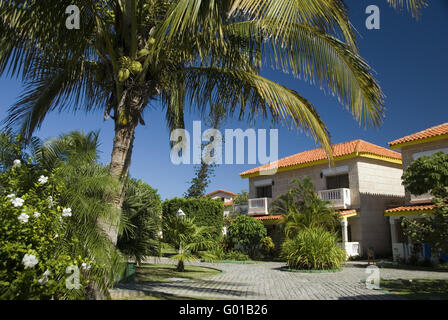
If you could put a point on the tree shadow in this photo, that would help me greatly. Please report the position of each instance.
(160, 288)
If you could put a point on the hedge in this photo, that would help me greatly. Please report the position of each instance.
(205, 211)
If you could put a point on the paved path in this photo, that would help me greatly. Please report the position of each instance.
(267, 281)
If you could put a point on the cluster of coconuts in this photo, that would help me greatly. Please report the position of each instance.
(128, 66)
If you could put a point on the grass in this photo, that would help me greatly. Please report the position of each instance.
(162, 272)
(417, 289)
(396, 265)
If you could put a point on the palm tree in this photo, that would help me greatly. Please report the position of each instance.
(143, 208)
(188, 238)
(129, 54)
(302, 208)
(71, 159)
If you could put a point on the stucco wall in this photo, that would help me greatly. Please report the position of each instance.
(377, 177)
(282, 179)
(355, 229)
(365, 175)
(375, 226)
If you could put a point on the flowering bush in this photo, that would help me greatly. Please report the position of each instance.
(33, 258)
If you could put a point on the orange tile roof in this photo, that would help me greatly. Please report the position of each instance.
(219, 190)
(229, 203)
(415, 208)
(344, 213)
(441, 129)
(273, 217)
(341, 149)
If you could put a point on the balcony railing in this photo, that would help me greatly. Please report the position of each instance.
(352, 249)
(259, 206)
(339, 198)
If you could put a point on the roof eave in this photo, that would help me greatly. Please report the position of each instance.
(417, 141)
(323, 161)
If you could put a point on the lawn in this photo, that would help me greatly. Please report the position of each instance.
(395, 265)
(165, 272)
(417, 289)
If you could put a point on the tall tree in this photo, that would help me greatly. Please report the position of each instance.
(205, 170)
(429, 174)
(130, 53)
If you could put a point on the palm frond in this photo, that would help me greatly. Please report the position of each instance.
(233, 88)
(415, 6)
(313, 55)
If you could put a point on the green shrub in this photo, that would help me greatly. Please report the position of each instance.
(313, 249)
(267, 245)
(33, 233)
(219, 254)
(206, 212)
(236, 255)
(247, 233)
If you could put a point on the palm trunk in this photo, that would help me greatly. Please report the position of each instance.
(119, 168)
(180, 266)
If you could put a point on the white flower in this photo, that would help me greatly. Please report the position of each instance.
(11, 196)
(29, 260)
(67, 212)
(43, 179)
(23, 217)
(36, 214)
(17, 202)
(50, 202)
(56, 236)
(85, 266)
(47, 273)
(16, 163)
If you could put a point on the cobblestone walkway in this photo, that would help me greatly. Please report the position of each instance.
(267, 281)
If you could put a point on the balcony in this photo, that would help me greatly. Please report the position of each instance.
(339, 198)
(259, 206)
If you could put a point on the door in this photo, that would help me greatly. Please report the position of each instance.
(264, 192)
(336, 182)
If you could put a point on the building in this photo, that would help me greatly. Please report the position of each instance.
(225, 196)
(413, 146)
(363, 181)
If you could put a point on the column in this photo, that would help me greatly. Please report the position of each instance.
(344, 224)
(396, 252)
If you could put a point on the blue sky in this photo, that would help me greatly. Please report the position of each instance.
(408, 56)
